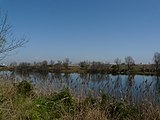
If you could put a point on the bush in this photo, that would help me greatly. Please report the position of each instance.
(66, 99)
(54, 107)
(90, 101)
(24, 87)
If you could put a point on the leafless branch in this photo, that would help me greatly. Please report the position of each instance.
(7, 41)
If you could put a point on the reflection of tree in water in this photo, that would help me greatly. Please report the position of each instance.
(23, 73)
(84, 84)
(67, 79)
(105, 84)
(84, 76)
(130, 80)
(19, 76)
(118, 86)
(31, 75)
(97, 77)
(40, 76)
(118, 82)
(90, 83)
(97, 81)
(157, 87)
(57, 76)
(129, 85)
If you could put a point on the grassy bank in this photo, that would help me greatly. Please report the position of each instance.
(22, 101)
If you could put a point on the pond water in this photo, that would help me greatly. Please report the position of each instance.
(133, 88)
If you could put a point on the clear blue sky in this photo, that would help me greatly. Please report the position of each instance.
(85, 29)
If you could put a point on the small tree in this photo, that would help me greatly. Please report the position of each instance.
(7, 41)
(66, 63)
(156, 60)
(129, 61)
(118, 62)
(51, 62)
(44, 63)
(57, 67)
(84, 64)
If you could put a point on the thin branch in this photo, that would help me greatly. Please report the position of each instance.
(7, 41)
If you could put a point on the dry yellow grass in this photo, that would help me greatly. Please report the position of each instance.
(17, 107)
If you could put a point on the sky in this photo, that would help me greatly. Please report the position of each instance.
(99, 30)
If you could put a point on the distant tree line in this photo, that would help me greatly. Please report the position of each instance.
(41, 67)
(65, 65)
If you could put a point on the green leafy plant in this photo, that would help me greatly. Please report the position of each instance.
(24, 87)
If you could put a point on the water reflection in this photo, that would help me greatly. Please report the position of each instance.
(131, 88)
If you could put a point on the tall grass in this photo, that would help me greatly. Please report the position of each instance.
(22, 101)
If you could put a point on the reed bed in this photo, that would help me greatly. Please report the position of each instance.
(24, 101)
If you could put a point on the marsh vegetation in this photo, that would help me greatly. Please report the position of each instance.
(25, 100)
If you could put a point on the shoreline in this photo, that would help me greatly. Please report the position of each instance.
(81, 71)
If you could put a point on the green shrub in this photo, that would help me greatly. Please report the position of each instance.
(105, 99)
(90, 101)
(122, 111)
(54, 107)
(24, 87)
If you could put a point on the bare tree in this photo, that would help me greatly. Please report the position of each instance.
(7, 40)
(118, 62)
(51, 62)
(66, 63)
(57, 67)
(84, 64)
(129, 61)
(156, 60)
(44, 63)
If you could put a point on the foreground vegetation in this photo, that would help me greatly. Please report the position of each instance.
(22, 101)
